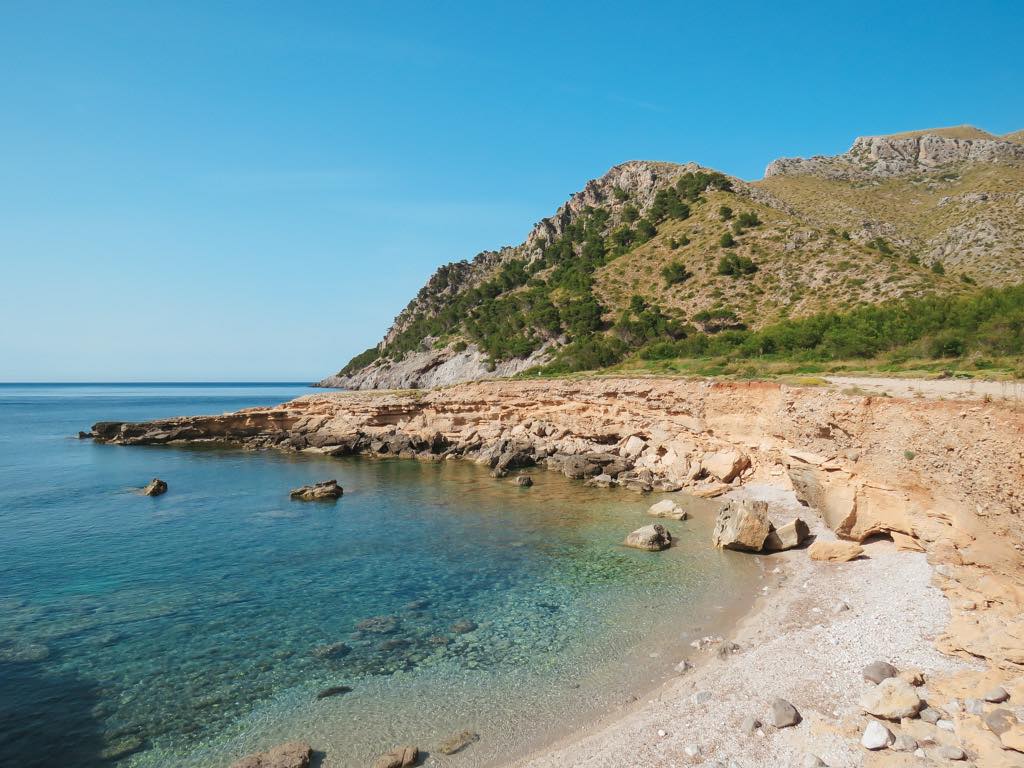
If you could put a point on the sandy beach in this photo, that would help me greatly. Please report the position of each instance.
(806, 640)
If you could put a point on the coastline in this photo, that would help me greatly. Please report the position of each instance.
(936, 478)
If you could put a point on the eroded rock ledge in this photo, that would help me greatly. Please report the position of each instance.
(940, 476)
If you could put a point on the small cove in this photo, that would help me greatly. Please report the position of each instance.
(195, 627)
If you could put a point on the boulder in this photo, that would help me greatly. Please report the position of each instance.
(947, 753)
(784, 714)
(891, 699)
(328, 490)
(791, 535)
(904, 743)
(876, 736)
(293, 754)
(524, 481)
(725, 465)
(877, 671)
(999, 721)
(835, 551)
(399, 757)
(651, 537)
(742, 525)
(578, 467)
(668, 509)
(156, 487)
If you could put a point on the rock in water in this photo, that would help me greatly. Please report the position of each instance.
(668, 509)
(835, 551)
(524, 481)
(877, 671)
(293, 754)
(876, 736)
(651, 537)
(399, 757)
(334, 690)
(328, 490)
(743, 525)
(784, 714)
(791, 535)
(155, 488)
(457, 742)
(891, 699)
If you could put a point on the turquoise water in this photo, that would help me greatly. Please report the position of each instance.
(191, 628)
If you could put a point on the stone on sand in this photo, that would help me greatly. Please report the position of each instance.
(667, 508)
(399, 757)
(784, 714)
(876, 736)
(891, 699)
(835, 551)
(877, 671)
(742, 525)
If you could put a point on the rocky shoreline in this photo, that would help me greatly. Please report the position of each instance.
(941, 479)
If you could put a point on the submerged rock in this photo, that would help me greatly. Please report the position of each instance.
(328, 490)
(742, 525)
(667, 508)
(399, 757)
(653, 538)
(524, 481)
(155, 487)
(293, 754)
(457, 742)
(334, 690)
(331, 651)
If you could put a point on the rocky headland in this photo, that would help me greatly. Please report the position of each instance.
(930, 489)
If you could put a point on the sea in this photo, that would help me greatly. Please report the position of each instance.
(195, 627)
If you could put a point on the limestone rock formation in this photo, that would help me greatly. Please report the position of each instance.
(156, 487)
(651, 537)
(788, 536)
(668, 509)
(891, 699)
(743, 525)
(327, 490)
(835, 551)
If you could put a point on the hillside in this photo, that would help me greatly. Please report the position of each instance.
(657, 253)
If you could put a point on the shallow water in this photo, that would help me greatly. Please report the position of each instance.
(191, 628)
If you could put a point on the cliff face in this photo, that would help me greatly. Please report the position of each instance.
(888, 156)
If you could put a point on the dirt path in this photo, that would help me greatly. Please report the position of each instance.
(936, 389)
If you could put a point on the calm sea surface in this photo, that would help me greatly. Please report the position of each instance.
(192, 628)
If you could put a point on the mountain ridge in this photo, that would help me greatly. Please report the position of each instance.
(820, 233)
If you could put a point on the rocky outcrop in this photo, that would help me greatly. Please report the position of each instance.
(328, 490)
(887, 156)
(155, 487)
(653, 538)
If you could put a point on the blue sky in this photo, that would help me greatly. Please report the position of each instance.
(252, 191)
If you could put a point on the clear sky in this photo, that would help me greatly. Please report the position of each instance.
(252, 191)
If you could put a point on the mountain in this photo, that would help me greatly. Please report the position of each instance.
(653, 251)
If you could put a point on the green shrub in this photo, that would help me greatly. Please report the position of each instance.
(736, 266)
(725, 213)
(727, 240)
(675, 273)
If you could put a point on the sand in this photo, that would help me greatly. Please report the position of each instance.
(797, 644)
